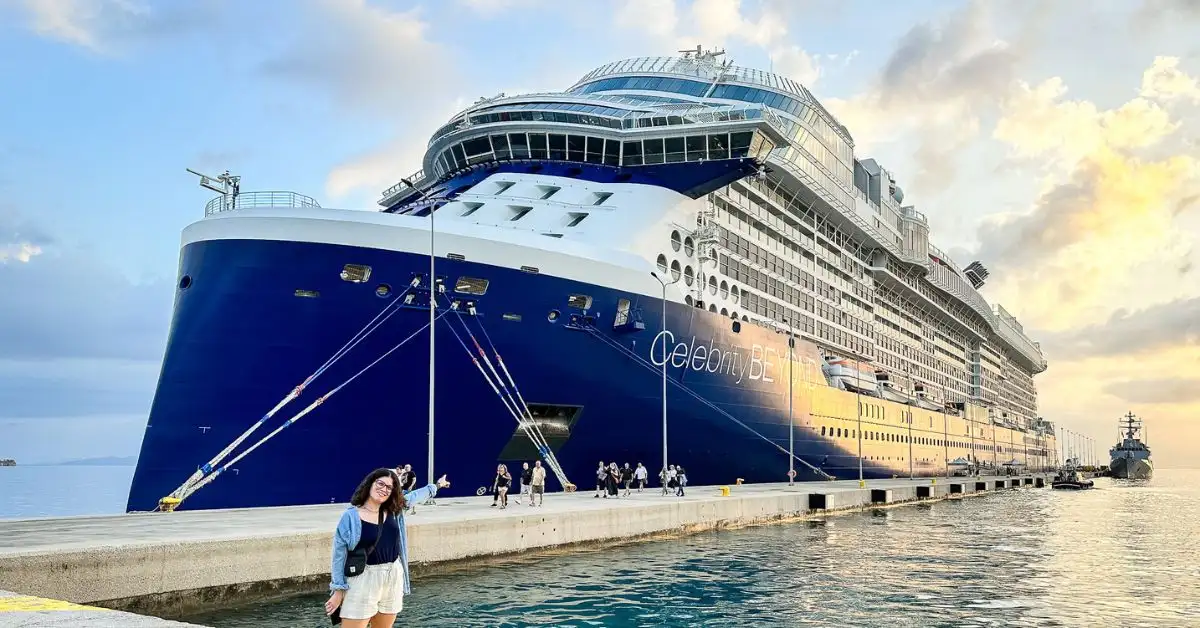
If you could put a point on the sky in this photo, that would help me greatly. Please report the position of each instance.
(1056, 142)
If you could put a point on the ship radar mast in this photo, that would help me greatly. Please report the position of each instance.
(1132, 425)
(227, 185)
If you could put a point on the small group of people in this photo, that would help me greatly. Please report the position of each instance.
(532, 483)
(673, 477)
(369, 572)
(610, 479)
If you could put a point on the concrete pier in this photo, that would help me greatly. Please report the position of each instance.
(27, 610)
(172, 564)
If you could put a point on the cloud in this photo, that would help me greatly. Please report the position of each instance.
(73, 306)
(1164, 80)
(1165, 390)
(1173, 325)
(932, 92)
(492, 8)
(365, 58)
(104, 26)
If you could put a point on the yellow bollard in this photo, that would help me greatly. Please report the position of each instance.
(862, 484)
(934, 480)
(724, 491)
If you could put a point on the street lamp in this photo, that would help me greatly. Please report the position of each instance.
(791, 422)
(662, 332)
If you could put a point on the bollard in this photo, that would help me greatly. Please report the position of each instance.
(724, 491)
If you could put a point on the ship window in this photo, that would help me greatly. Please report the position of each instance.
(595, 150)
(575, 144)
(612, 153)
(718, 146)
(558, 147)
(676, 242)
(356, 273)
(552, 316)
(737, 327)
(712, 284)
(537, 145)
(633, 153)
(517, 212)
(688, 275)
(500, 144)
(674, 149)
(697, 147)
(516, 318)
(600, 197)
(622, 313)
(581, 301)
(675, 270)
(502, 187)
(476, 147)
(383, 290)
(185, 282)
(739, 144)
(574, 218)
(652, 151)
(662, 263)
(712, 307)
(546, 191)
(311, 294)
(687, 299)
(724, 290)
(689, 247)
(469, 208)
(519, 145)
(471, 285)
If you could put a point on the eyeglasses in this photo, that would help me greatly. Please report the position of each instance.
(386, 486)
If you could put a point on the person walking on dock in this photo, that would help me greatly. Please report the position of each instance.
(369, 572)
(626, 477)
(537, 483)
(502, 482)
(601, 474)
(681, 481)
(640, 474)
(526, 476)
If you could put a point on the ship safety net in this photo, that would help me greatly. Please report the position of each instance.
(513, 401)
(596, 333)
(217, 465)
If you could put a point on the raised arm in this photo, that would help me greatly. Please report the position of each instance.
(426, 492)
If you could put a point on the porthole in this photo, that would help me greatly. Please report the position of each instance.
(383, 291)
(734, 293)
(688, 300)
(675, 270)
(675, 240)
(724, 290)
(688, 275)
(737, 327)
(552, 316)
(689, 247)
(662, 263)
(185, 282)
(712, 307)
(712, 284)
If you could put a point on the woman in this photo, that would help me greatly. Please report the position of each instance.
(501, 483)
(377, 594)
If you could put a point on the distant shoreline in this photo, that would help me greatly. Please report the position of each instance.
(107, 461)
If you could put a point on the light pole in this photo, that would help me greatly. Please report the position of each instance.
(945, 430)
(433, 295)
(791, 421)
(663, 333)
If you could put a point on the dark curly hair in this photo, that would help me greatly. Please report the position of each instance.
(395, 503)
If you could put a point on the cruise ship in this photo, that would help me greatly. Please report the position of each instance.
(673, 248)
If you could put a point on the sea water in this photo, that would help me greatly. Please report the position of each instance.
(1126, 553)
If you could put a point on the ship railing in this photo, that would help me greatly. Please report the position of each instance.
(416, 178)
(246, 200)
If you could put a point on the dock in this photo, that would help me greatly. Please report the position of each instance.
(174, 564)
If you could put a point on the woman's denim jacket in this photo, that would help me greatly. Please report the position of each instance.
(349, 531)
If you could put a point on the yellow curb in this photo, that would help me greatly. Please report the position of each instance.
(31, 604)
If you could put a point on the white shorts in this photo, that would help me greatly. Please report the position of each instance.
(380, 589)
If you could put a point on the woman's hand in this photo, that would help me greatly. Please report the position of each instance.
(442, 483)
(334, 601)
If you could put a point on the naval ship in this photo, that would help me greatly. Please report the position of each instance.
(676, 260)
(1130, 458)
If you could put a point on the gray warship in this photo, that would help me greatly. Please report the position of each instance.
(1130, 456)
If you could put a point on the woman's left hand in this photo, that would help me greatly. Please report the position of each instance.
(442, 482)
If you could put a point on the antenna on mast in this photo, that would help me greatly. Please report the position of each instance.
(227, 185)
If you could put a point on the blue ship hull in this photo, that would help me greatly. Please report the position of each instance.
(241, 339)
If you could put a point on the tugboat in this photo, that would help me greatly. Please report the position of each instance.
(1131, 457)
(1069, 477)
